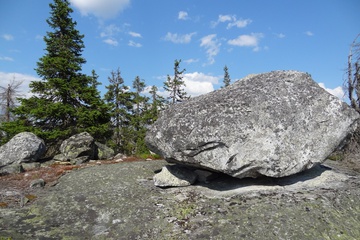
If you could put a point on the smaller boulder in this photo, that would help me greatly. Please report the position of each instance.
(30, 166)
(10, 169)
(22, 148)
(37, 183)
(79, 145)
(174, 176)
(103, 152)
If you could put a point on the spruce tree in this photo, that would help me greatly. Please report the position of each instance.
(157, 104)
(139, 117)
(175, 86)
(227, 79)
(120, 100)
(65, 101)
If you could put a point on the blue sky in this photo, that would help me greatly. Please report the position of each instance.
(143, 38)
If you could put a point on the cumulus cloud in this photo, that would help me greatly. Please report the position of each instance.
(8, 37)
(178, 38)
(24, 89)
(338, 91)
(232, 21)
(197, 83)
(212, 46)
(251, 40)
(135, 34)
(103, 9)
(183, 15)
(109, 33)
(134, 44)
(111, 41)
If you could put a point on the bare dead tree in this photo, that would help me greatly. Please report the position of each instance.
(353, 74)
(8, 96)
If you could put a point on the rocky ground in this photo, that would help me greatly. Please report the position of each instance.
(120, 201)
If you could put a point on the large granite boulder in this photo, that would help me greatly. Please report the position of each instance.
(274, 124)
(24, 147)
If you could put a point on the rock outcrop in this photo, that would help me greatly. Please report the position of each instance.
(103, 152)
(77, 149)
(274, 124)
(24, 147)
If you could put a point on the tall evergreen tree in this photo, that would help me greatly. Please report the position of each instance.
(65, 101)
(227, 79)
(157, 104)
(175, 86)
(139, 117)
(120, 100)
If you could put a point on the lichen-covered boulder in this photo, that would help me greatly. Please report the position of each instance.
(274, 124)
(22, 148)
(78, 147)
(103, 152)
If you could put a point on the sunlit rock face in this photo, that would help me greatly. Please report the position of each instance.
(274, 124)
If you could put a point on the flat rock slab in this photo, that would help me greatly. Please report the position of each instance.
(272, 124)
(120, 201)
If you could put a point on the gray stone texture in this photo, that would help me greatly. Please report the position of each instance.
(78, 147)
(24, 147)
(274, 124)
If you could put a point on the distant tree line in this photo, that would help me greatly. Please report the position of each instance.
(66, 102)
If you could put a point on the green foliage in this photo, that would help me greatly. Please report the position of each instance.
(65, 101)
(175, 86)
(227, 79)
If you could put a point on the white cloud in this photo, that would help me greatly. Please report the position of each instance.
(280, 35)
(111, 41)
(110, 31)
(104, 9)
(239, 23)
(308, 33)
(134, 34)
(134, 44)
(183, 15)
(251, 40)
(196, 84)
(191, 60)
(338, 91)
(212, 46)
(8, 59)
(177, 38)
(201, 77)
(24, 89)
(8, 37)
(233, 21)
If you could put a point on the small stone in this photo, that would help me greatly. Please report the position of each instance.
(174, 176)
(37, 183)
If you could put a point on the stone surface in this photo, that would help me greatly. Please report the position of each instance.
(12, 168)
(273, 124)
(22, 148)
(37, 183)
(103, 152)
(175, 176)
(120, 201)
(80, 145)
